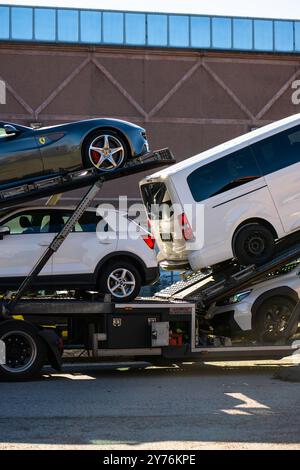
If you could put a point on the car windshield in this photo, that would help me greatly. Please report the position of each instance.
(2, 132)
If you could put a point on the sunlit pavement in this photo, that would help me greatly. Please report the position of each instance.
(191, 406)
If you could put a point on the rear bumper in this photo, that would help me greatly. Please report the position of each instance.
(151, 275)
(174, 265)
(209, 256)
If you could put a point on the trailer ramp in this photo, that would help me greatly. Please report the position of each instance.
(207, 289)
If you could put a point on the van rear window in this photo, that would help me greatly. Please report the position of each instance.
(223, 174)
(155, 197)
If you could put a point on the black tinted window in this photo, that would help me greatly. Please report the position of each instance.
(52, 221)
(156, 198)
(87, 222)
(223, 174)
(278, 151)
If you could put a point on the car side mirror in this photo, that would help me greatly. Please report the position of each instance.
(10, 129)
(4, 231)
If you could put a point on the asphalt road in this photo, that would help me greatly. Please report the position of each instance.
(190, 407)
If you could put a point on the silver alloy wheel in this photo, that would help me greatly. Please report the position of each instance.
(121, 283)
(106, 152)
(21, 351)
(276, 319)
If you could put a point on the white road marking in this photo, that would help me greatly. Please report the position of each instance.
(247, 401)
(75, 376)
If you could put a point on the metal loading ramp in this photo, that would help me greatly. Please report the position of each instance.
(85, 178)
(60, 183)
(205, 289)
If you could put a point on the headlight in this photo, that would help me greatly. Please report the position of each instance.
(235, 298)
(239, 297)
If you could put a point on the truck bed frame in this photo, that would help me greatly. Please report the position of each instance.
(141, 328)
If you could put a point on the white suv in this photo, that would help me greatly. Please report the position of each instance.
(232, 201)
(115, 264)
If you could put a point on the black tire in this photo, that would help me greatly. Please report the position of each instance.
(114, 268)
(253, 244)
(90, 158)
(25, 351)
(270, 321)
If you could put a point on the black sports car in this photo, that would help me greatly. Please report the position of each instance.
(28, 155)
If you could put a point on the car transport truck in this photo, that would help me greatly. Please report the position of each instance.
(171, 325)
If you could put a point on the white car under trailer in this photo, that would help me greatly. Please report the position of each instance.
(262, 309)
(170, 325)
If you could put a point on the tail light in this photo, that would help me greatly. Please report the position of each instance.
(186, 229)
(149, 239)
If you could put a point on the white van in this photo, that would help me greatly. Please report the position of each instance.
(232, 201)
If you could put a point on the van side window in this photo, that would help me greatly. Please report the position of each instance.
(225, 173)
(278, 151)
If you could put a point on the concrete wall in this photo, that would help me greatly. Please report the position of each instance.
(187, 100)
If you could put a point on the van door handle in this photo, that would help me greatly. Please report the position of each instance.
(44, 244)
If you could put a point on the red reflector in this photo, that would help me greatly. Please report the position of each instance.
(186, 229)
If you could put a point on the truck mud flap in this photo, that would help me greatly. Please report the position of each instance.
(52, 342)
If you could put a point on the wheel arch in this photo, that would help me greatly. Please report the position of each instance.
(125, 255)
(12, 321)
(253, 220)
(109, 129)
(48, 337)
(283, 291)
